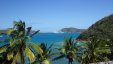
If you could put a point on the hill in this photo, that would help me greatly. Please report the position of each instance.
(101, 29)
(72, 30)
(3, 31)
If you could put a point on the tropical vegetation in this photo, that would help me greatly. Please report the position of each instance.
(102, 29)
(68, 50)
(44, 57)
(18, 49)
(95, 50)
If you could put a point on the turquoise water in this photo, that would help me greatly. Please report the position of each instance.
(55, 38)
(50, 38)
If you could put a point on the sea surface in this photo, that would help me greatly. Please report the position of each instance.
(52, 37)
(55, 38)
(49, 38)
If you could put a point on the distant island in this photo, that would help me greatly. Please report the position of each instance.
(5, 30)
(63, 30)
(71, 30)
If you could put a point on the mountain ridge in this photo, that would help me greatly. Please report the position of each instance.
(101, 29)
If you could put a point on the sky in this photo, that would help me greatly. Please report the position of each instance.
(52, 15)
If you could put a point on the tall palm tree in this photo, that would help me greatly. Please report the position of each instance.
(94, 51)
(44, 57)
(18, 49)
(68, 50)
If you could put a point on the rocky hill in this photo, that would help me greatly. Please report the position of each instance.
(101, 29)
(3, 31)
(72, 30)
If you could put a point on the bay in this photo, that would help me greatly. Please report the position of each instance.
(55, 38)
(50, 38)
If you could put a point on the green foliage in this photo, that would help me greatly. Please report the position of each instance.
(68, 50)
(18, 48)
(95, 51)
(36, 48)
(97, 47)
(44, 56)
(102, 29)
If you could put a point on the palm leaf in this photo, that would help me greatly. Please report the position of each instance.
(29, 54)
(59, 57)
(28, 31)
(37, 48)
(16, 58)
(34, 33)
(50, 47)
(9, 31)
(10, 55)
(5, 40)
(4, 48)
(55, 53)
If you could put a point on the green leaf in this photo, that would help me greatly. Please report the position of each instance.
(63, 50)
(4, 48)
(10, 30)
(9, 55)
(29, 54)
(34, 33)
(46, 61)
(16, 58)
(5, 40)
(28, 37)
(28, 31)
(37, 48)
(55, 53)
(49, 47)
(59, 57)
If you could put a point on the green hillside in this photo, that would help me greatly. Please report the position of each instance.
(72, 30)
(101, 29)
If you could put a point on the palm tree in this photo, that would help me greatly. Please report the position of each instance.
(69, 50)
(95, 51)
(18, 49)
(44, 57)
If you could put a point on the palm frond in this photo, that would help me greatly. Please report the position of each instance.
(10, 55)
(37, 48)
(5, 40)
(4, 48)
(34, 33)
(16, 58)
(49, 48)
(29, 54)
(59, 57)
(28, 31)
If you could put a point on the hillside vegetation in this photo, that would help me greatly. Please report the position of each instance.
(72, 30)
(101, 29)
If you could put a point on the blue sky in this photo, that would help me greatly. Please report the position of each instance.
(52, 15)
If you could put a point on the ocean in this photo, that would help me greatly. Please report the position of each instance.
(50, 38)
(55, 38)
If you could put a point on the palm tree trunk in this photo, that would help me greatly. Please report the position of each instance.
(22, 53)
(70, 61)
(22, 57)
(22, 48)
